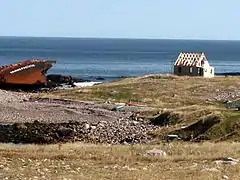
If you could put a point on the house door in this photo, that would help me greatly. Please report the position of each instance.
(200, 71)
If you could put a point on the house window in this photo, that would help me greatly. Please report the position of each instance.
(211, 71)
(190, 69)
(179, 69)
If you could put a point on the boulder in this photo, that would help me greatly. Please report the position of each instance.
(64, 131)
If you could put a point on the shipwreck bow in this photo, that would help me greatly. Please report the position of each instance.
(29, 72)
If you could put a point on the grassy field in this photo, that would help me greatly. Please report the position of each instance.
(190, 99)
(191, 102)
(83, 161)
(160, 91)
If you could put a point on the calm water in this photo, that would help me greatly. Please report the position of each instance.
(113, 58)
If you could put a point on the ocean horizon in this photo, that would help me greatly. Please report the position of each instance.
(113, 58)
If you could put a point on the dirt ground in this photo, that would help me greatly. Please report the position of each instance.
(27, 120)
(19, 107)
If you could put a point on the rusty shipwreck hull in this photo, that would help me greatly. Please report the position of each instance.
(28, 72)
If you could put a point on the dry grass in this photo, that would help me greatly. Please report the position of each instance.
(82, 161)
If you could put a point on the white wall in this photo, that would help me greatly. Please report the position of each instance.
(209, 71)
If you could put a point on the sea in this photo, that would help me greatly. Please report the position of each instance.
(112, 59)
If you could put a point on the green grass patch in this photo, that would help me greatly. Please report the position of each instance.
(229, 125)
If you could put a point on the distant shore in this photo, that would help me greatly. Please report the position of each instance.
(104, 79)
(228, 74)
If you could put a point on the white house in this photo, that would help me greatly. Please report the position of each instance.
(193, 64)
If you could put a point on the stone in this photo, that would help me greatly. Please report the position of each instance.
(225, 177)
(21, 126)
(93, 127)
(156, 152)
(63, 131)
(135, 122)
(173, 137)
(228, 160)
(87, 126)
(210, 170)
(101, 125)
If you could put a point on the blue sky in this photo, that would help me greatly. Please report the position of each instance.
(163, 19)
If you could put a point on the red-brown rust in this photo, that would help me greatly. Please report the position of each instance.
(27, 72)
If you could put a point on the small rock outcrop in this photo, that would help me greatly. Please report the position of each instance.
(54, 80)
(166, 118)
